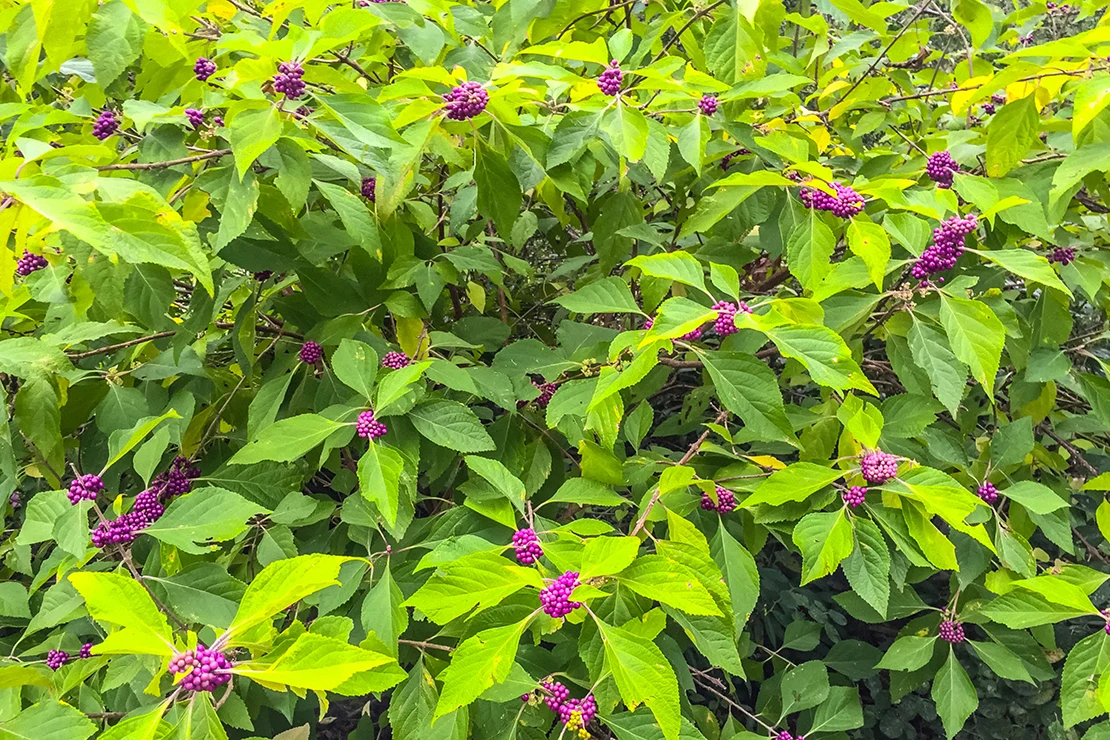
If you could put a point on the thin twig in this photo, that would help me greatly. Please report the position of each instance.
(883, 53)
(606, 9)
(698, 15)
(171, 163)
(428, 645)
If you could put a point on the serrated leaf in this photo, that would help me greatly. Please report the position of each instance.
(286, 440)
(203, 516)
(643, 676)
(481, 661)
(452, 425)
(283, 583)
(825, 538)
(476, 581)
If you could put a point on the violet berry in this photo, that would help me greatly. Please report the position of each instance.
(987, 492)
(195, 117)
(557, 693)
(176, 481)
(147, 508)
(105, 125)
(84, 488)
(947, 247)
(55, 659)
(845, 204)
(524, 698)
(610, 80)
(1062, 255)
(941, 168)
(854, 496)
(466, 101)
(368, 427)
(556, 597)
(692, 336)
(16, 499)
(784, 735)
(547, 390)
(878, 467)
(726, 160)
(708, 104)
(210, 669)
(310, 353)
(29, 263)
(368, 188)
(648, 324)
(288, 80)
(264, 275)
(952, 631)
(1106, 616)
(395, 360)
(218, 121)
(86, 651)
(726, 501)
(204, 68)
(725, 323)
(527, 546)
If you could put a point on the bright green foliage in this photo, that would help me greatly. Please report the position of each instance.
(456, 375)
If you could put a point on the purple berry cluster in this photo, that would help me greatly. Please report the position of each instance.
(210, 669)
(726, 501)
(610, 80)
(708, 104)
(988, 493)
(204, 68)
(1062, 255)
(368, 188)
(948, 245)
(395, 360)
(123, 530)
(556, 597)
(692, 336)
(547, 390)
(55, 659)
(368, 427)
(845, 204)
(527, 546)
(575, 714)
(466, 101)
(288, 80)
(86, 651)
(195, 117)
(951, 631)
(1106, 615)
(176, 481)
(29, 263)
(105, 125)
(16, 499)
(726, 161)
(726, 313)
(878, 467)
(264, 275)
(941, 168)
(854, 496)
(84, 488)
(310, 353)
(784, 735)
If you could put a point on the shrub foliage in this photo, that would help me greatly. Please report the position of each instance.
(651, 370)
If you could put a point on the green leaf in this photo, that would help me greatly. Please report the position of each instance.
(379, 479)
(286, 440)
(977, 337)
(1079, 684)
(356, 218)
(356, 365)
(1021, 609)
(1010, 134)
(48, 720)
(804, 687)
(1026, 264)
(627, 129)
(954, 695)
(841, 711)
(498, 476)
(499, 195)
(975, 16)
(608, 295)
(604, 556)
(481, 661)
(870, 242)
(823, 353)
(204, 592)
(667, 582)
(908, 653)
(452, 425)
(643, 676)
(585, 492)
(1037, 497)
(946, 374)
(749, 389)
(1059, 592)
(741, 575)
(120, 601)
(692, 139)
(123, 441)
(314, 662)
(476, 581)
(682, 267)
(677, 316)
(825, 538)
(795, 482)
(205, 515)
(282, 584)
(395, 384)
(1003, 661)
(1091, 98)
(810, 248)
(868, 567)
(114, 40)
(251, 133)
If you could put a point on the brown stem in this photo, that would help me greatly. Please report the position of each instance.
(428, 645)
(606, 9)
(171, 163)
(1075, 453)
(883, 53)
(698, 15)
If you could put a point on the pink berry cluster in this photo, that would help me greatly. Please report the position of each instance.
(86, 651)
(692, 336)
(1062, 255)
(195, 117)
(575, 714)
(555, 599)
(310, 353)
(941, 168)
(785, 735)
(854, 496)
(29, 263)
(288, 80)
(610, 80)
(948, 245)
(547, 390)
(55, 659)
(726, 501)
(466, 101)
(951, 631)
(725, 323)
(527, 546)
(84, 488)
(368, 188)
(708, 104)
(845, 204)
(125, 528)
(105, 125)
(987, 492)
(210, 669)
(395, 360)
(204, 68)
(368, 427)
(878, 467)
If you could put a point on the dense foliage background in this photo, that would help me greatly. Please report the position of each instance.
(655, 370)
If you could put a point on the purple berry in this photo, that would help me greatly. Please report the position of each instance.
(368, 427)
(988, 109)
(1106, 616)
(648, 324)
(726, 313)
(854, 496)
(947, 247)
(556, 597)
(204, 68)
(547, 390)
(784, 735)
(302, 112)
(210, 669)
(288, 80)
(988, 493)
(525, 697)
(55, 659)
(726, 501)
(395, 360)
(105, 125)
(708, 104)
(86, 651)
(610, 80)
(878, 467)
(1062, 255)
(29, 263)
(692, 336)
(575, 714)
(527, 546)
(195, 117)
(84, 488)
(951, 631)
(310, 353)
(264, 275)
(466, 101)
(941, 168)
(845, 204)
(999, 98)
(16, 499)
(368, 188)
(218, 121)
